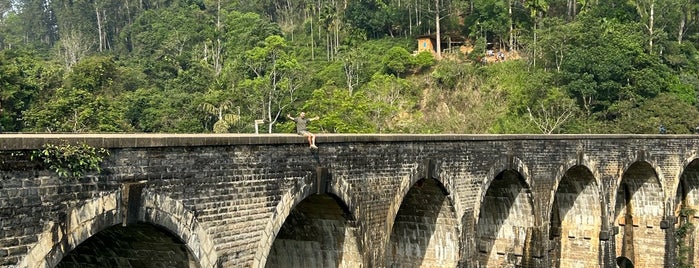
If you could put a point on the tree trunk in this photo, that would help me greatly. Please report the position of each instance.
(680, 32)
(512, 26)
(439, 38)
(99, 27)
(650, 26)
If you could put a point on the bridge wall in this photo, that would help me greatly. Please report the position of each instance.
(502, 200)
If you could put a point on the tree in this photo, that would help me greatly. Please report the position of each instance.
(676, 115)
(397, 60)
(85, 103)
(341, 112)
(224, 120)
(24, 78)
(276, 77)
(551, 113)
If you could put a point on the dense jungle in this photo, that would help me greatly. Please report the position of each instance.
(201, 66)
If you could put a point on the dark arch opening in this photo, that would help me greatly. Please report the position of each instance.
(624, 262)
(505, 225)
(317, 233)
(137, 245)
(639, 209)
(686, 207)
(425, 230)
(576, 220)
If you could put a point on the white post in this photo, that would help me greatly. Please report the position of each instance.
(257, 123)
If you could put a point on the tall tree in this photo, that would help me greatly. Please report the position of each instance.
(276, 78)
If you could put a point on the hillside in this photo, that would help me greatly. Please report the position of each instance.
(202, 65)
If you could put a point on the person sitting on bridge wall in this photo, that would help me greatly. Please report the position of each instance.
(301, 123)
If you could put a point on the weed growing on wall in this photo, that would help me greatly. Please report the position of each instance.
(683, 236)
(70, 161)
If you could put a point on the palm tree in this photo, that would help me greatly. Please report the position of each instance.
(224, 119)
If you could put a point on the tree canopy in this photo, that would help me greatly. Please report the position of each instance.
(532, 66)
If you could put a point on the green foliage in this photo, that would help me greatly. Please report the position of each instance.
(683, 236)
(70, 161)
(24, 77)
(339, 111)
(150, 66)
(447, 74)
(669, 110)
(224, 119)
(424, 60)
(397, 60)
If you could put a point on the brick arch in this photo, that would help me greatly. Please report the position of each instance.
(659, 177)
(291, 198)
(509, 242)
(639, 207)
(341, 190)
(59, 239)
(406, 185)
(161, 210)
(501, 165)
(101, 213)
(693, 159)
(565, 167)
(580, 213)
(288, 201)
(686, 194)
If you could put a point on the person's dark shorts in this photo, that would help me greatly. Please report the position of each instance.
(304, 133)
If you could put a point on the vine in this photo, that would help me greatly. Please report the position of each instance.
(70, 161)
(683, 236)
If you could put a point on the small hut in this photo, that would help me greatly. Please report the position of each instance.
(429, 43)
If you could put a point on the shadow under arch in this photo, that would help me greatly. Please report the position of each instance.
(639, 209)
(94, 216)
(316, 234)
(305, 222)
(425, 230)
(506, 224)
(512, 164)
(135, 245)
(576, 219)
(686, 206)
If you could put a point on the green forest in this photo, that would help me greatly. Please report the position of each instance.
(212, 66)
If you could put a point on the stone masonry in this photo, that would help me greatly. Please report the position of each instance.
(231, 200)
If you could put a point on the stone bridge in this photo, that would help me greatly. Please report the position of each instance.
(179, 200)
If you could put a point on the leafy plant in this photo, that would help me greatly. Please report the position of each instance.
(70, 161)
(683, 236)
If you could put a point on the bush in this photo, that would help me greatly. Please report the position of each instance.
(424, 60)
(70, 160)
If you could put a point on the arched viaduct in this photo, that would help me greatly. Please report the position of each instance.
(204, 200)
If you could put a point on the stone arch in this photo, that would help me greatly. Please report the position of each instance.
(139, 244)
(565, 167)
(424, 208)
(639, 209)
(342, 190)
(100, 213)
(686, 204)
(505, 234)
(171, 214)
(498, 167)
(301, 200)
(76, 226)
(576, 217)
